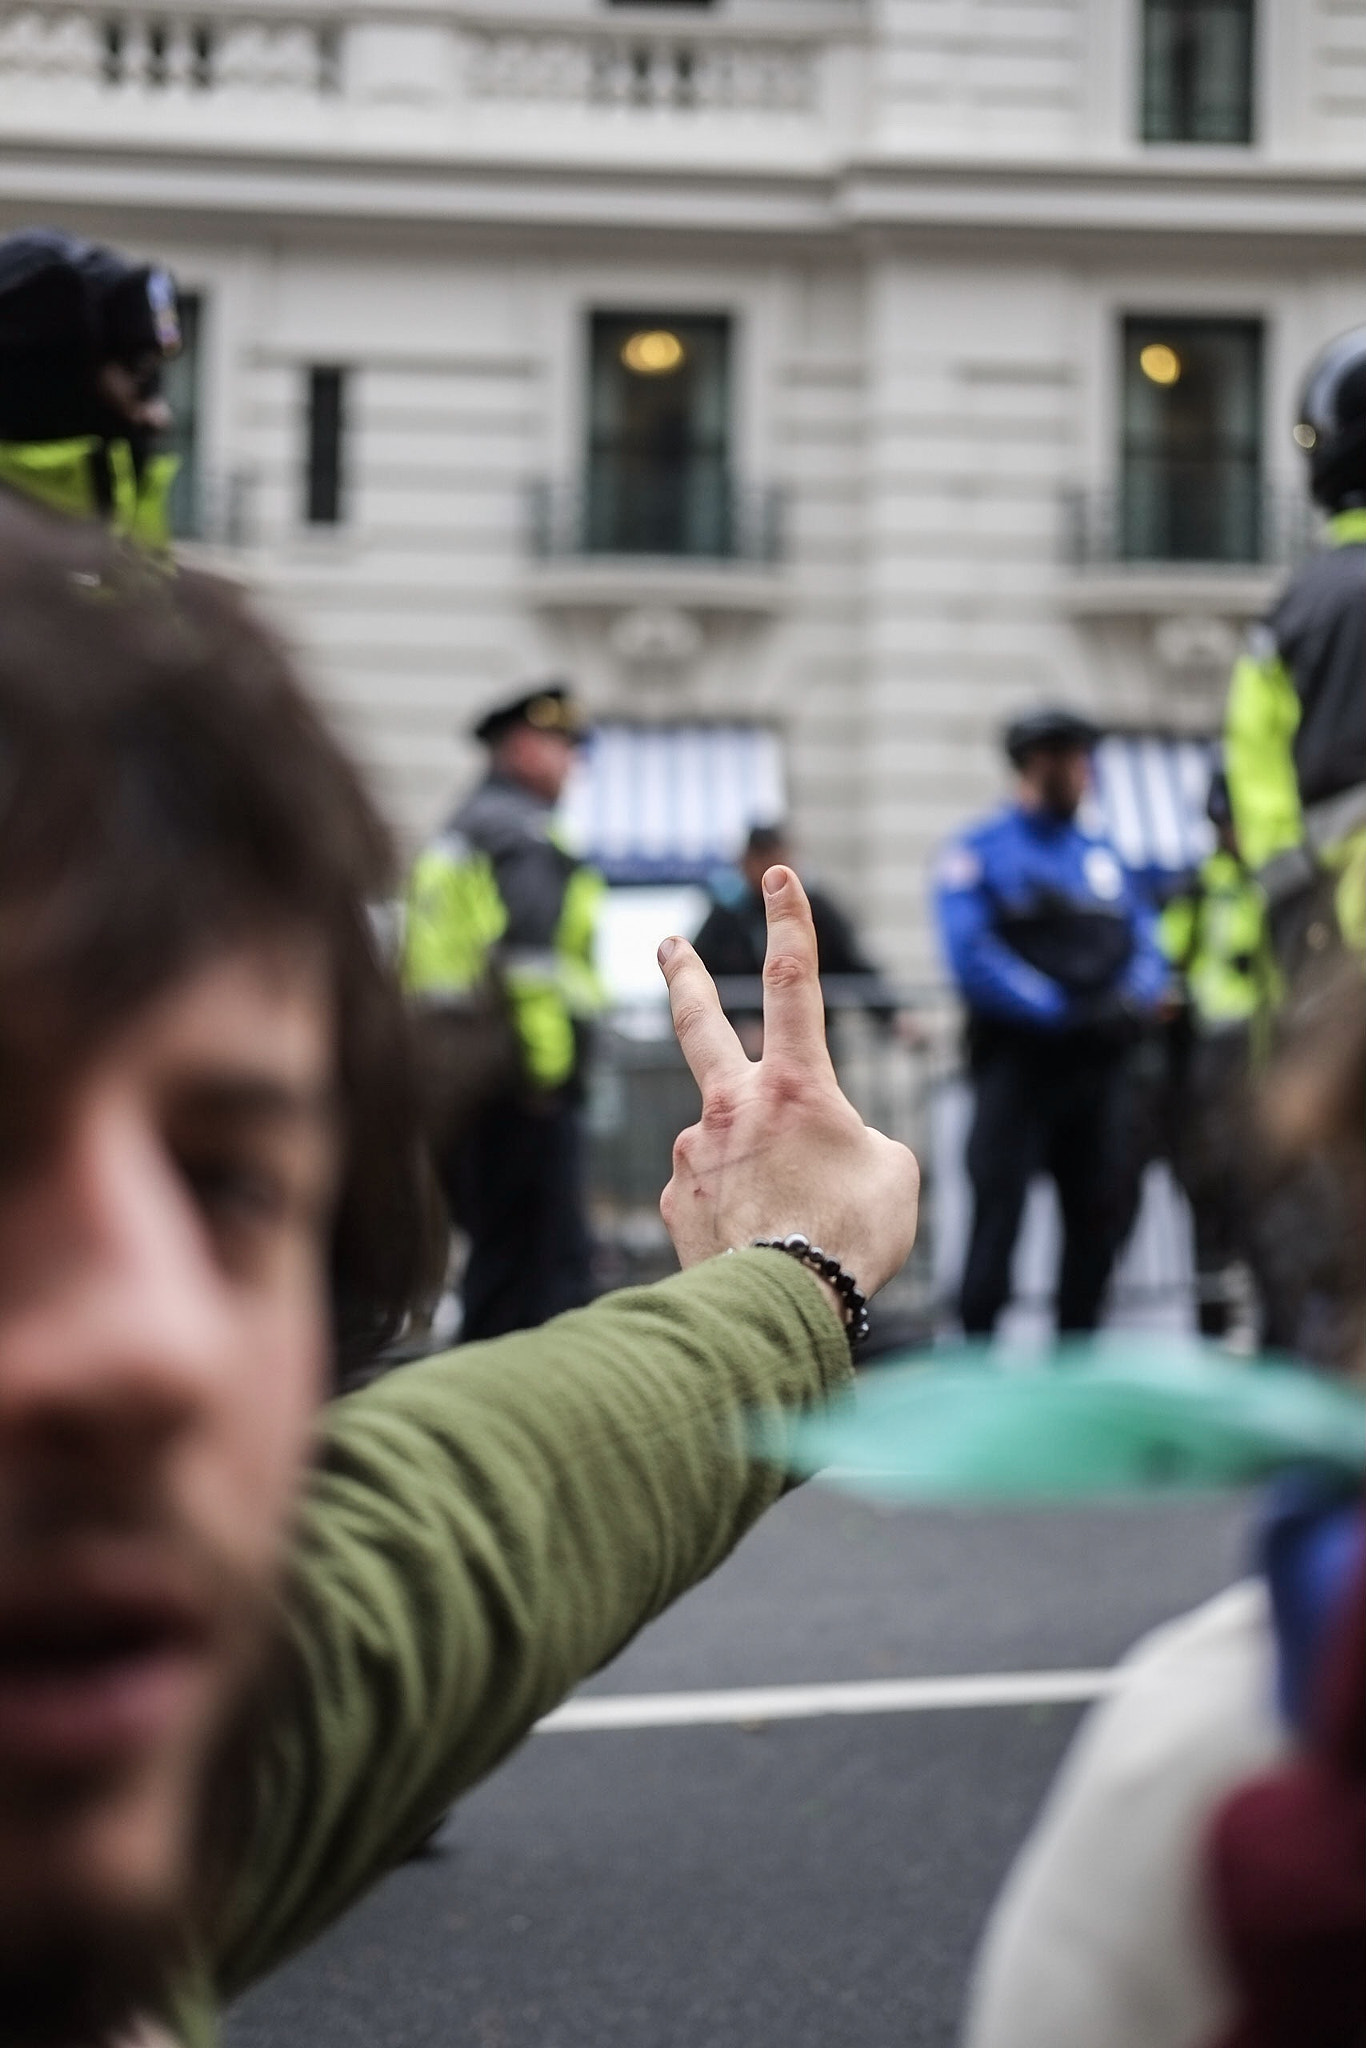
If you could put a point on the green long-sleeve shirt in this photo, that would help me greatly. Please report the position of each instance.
(483, 1531)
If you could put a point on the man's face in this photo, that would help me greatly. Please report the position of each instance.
(132, 392)
(1056, 779)
(540, 761)
(163, 1336)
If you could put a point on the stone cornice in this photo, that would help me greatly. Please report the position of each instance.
(882, 197)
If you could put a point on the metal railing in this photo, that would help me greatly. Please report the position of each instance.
(915, 1089)
(694, 514)
(642, 1096)
(1190, 514)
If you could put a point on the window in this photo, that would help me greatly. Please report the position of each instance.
(1190, 479)
(323, 462)
(1197, 70)
(658, 480)
(180, 384)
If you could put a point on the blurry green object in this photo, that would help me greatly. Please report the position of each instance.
(1094, 1418)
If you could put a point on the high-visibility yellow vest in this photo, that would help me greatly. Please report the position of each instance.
(1276, 834)
(1217, 939)
(454, 934)
(60, 475)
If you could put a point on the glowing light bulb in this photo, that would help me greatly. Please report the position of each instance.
(653, 353)
(1159, 363)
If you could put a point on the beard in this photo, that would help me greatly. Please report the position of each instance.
(80, 1968)
(87, 1981)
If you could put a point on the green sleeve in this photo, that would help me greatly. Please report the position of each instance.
(485, 1529)
(1259, 737)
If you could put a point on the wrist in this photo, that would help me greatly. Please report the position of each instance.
(841, 1288)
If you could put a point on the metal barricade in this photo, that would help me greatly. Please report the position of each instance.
(910, 1084)
(642, 1096)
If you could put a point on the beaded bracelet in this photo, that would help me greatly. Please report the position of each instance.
(853, 1300)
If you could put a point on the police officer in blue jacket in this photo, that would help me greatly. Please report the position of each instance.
(1057, 960)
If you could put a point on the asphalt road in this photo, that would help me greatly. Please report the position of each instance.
(812, 1883)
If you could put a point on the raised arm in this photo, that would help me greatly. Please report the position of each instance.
(487, 1528)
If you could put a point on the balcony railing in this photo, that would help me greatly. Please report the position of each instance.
(1195, 516)
(701, 515)
(348, 72)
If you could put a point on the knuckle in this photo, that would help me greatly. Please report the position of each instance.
(720, 1109)
(786, 1085)
(785, 970)
(688, 1015)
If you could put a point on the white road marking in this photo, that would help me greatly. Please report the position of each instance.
(805, 1702)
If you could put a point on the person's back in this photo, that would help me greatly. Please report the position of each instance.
(731, 940)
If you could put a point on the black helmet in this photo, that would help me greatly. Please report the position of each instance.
(1331, 426)
(67, 308)
(1052, 726)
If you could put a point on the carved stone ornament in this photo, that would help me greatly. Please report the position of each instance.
(655, 637)
(1195, 644)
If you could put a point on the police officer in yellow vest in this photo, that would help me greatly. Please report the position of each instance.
(84, 337)
(1295, 733)
(1215, 935)
(498, 894)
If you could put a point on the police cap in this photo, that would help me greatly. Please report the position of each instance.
(550, 707)
(1052, 726)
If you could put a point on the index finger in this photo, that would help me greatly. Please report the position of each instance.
(708, 1043)
(794, 1009)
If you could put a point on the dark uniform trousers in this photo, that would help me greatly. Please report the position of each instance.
(1059, 1105)
(516, 1185)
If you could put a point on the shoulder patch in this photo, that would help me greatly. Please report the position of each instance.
(958, 867)
(1104, 875)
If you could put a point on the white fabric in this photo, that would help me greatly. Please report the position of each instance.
(1099, 1938)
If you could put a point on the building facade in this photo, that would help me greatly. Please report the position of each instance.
(815, 380)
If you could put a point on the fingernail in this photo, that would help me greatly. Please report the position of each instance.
(775, 881)
(666, 951)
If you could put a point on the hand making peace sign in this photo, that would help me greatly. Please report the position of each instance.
(778, 1147)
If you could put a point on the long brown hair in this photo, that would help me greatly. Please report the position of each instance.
(167, 789)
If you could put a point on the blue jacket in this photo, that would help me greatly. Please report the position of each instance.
(1042, 926)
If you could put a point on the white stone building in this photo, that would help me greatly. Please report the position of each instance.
(979, 396)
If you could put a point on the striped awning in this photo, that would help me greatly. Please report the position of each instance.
(1149, 800)
(671, 803)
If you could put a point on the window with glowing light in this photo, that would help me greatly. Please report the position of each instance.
(1191, 449)
(658, 477)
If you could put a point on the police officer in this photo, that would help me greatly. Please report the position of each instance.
(497, 900)
(1295, 733)
(1215, 935)
(1055, 957)
(84, 338)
